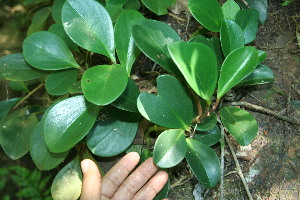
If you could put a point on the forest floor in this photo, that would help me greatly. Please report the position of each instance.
(271, 164)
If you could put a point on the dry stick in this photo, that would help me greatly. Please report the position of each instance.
(265, 110)
(238, 168)
(28, 95)
(222, 142)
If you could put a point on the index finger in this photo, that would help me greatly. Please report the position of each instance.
(116, 175)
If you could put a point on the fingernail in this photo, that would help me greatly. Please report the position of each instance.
(85, 166)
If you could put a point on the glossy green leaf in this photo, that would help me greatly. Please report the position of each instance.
(45, 50)
(75, 88)
(39, 20)
(114, 8)
(198, 64)
(208, 123)
(171, 108)
(210, 137)
(157, 6)
(170, 148)
(215, 44)
(59, 82)
(67, 183)
(261, 75)
(13, 67)
(68, 122)
(96, 30)
(126, 49)
(41, 156)
(113, 133)
(15, 134)
(152, 37)
(128, 99)
(132, 5)
(18, 86)
(56, 10)
(239, 64)
(208, 13)
(260, 5)
(232, 36)
(247, 21)
(164, 192)
(261, 56)
(58, 29)
(204, 163)
(240, 124)
(6, 105)
(230, 8)
(102, 84)
(28, 2)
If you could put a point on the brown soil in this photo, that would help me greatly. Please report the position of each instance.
(271, 164)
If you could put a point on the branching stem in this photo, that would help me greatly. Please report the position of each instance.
(28, 95)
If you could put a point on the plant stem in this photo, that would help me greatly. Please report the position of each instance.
(28, 95)
(199, 107)
(264, 110)
(222, 142)
(217, 104)
(238, 168)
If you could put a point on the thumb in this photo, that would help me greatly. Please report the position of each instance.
(91, 183)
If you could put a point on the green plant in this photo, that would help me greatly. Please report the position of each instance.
(93, 105)
(28, 184)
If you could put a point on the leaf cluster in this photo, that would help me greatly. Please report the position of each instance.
(84, 60)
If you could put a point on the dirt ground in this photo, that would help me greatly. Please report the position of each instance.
(271, 164)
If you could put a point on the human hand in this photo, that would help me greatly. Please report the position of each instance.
(142, 184)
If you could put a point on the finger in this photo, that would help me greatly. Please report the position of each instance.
(91, 183)
(116, 175)
(136, 180)
(152, 187)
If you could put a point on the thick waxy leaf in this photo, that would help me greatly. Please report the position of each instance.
(239, 64)
(39, 20)
(58, 29)
(215, 44)
(6, 105)
(68, 122)
(56, 10)
(261, 56)
(18, 86)
(114, 133)
(59, 82)
(103, 84)
(204, 163)
(132, 5)
(41, 156)
(13, 67)
(75, 88)
(230, 8)
(170, 148)
(240, 124)
(208, 123)
(198, 64)
(232, 36)
(247, 21)
(126, 49)
(208, 13)
(171, 108)
(128, 99)
(114, 8)
(260, 5)
(45, 50)
(96, 30)
(152, 37)
(15, 135)
(261, 75)
(210, 137)
(67, 183)
(157, 6)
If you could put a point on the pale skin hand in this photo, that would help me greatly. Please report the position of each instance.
(142, 184)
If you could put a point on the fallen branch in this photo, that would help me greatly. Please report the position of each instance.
(238, 168)
(264, 110)
(222, 142)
